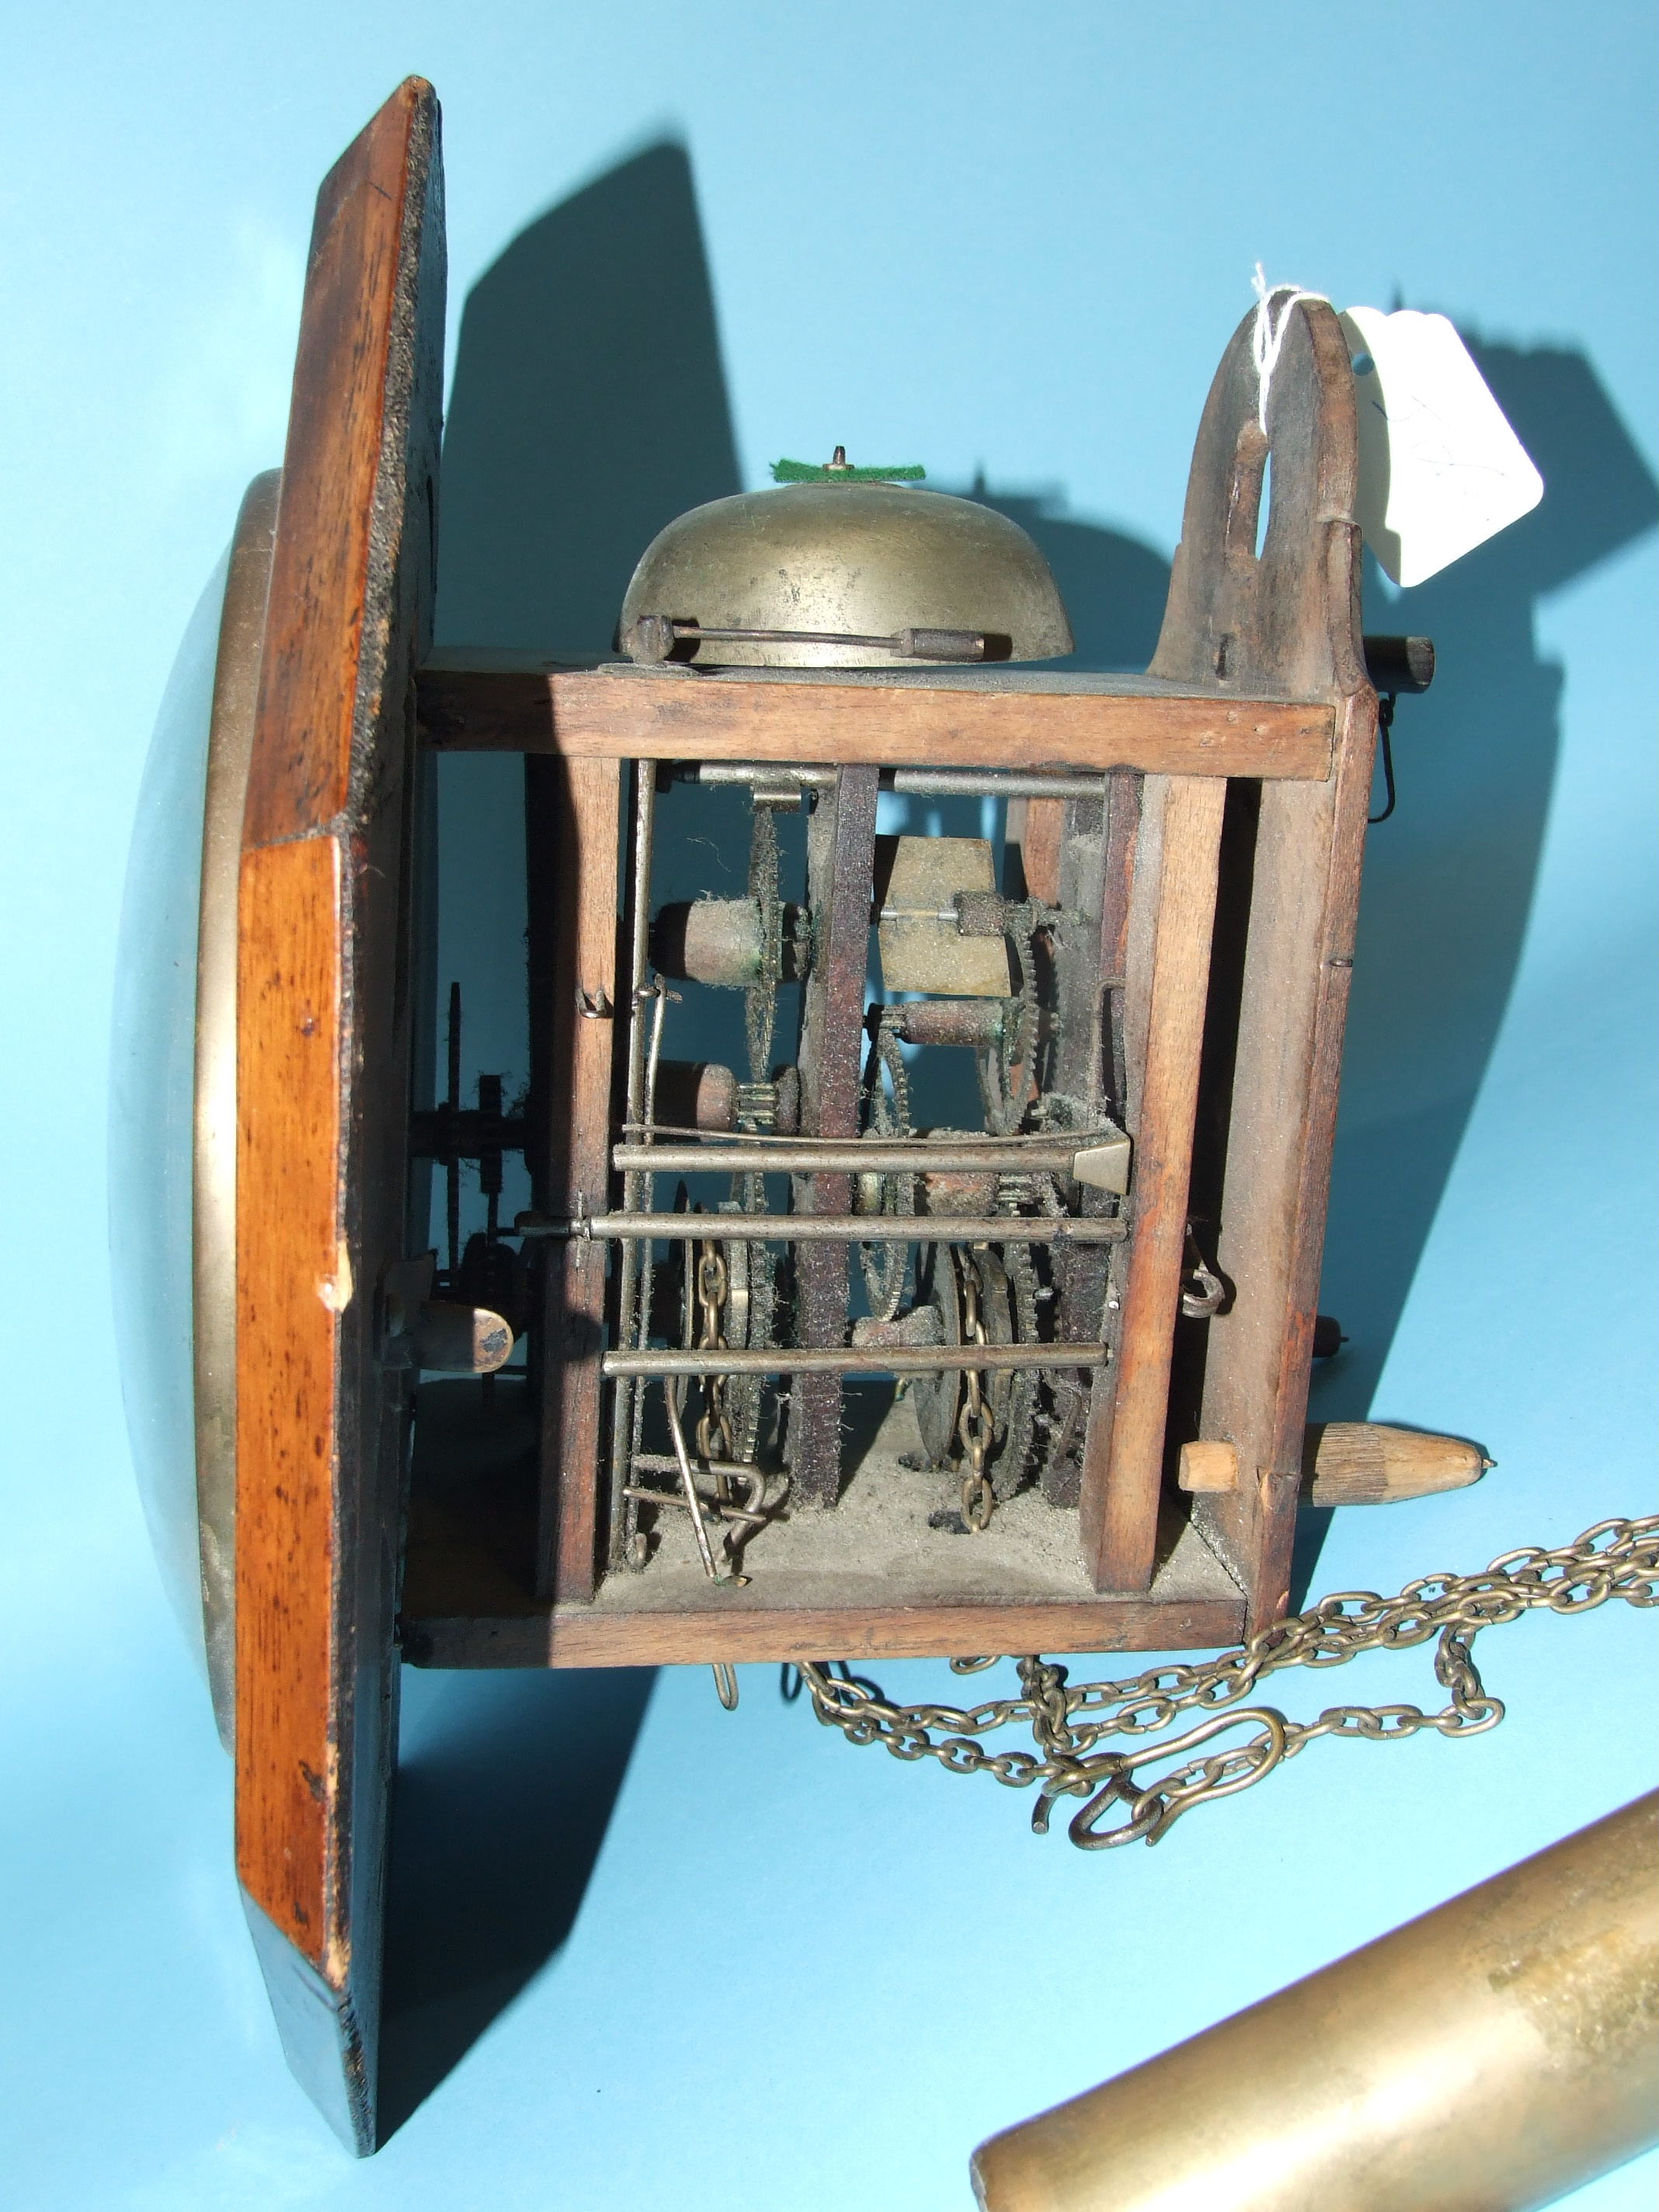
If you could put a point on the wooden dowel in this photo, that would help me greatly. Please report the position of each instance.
(1350, 1463)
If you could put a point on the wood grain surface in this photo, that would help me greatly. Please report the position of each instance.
(323, 1078)
(584, 805)
(321, 597)
(1286, 616)
(290, 1245)
(1276, 1174)
(1370, 1463)
(645, 714)
(587, 1635)
(1171, 911)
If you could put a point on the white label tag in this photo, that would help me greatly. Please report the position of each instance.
(1440, 468)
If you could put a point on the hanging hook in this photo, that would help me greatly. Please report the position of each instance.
(1384, 726)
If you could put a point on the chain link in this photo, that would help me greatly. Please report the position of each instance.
(977, 1427)
(715, 1434)
(1070, 1721)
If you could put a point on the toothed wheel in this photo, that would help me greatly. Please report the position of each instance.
(1008, 1300)
(937, 1397)
(751, 1322)
(1018, 1454)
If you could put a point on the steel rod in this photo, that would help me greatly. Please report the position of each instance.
(834, 1228)
(964, 783)
(990, 1156)
(637, 1187)
(742, 1470)
(718, 1506)
(1074, 1140)
(917, 782)
(693, 1502)
(816, 779)
(857, 1360)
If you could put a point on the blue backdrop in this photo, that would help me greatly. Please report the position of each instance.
(644, 1953)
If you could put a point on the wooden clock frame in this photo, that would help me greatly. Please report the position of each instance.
(1242, 765)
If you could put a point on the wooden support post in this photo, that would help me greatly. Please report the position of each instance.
(1277, 609)
(574, 908)
(1034, 840)
(1298, 962)
(1172, 911)
(840, 857)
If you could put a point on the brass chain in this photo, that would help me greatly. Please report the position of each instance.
(1069, 1722)
(976, 1426)
(716, 1436)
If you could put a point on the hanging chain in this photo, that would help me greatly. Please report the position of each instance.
(715, 1432)
(977, 1428)
(1069, 1722)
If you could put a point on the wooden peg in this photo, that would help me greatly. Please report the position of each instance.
(1367, 1464)
(1351, 1463)
(457, 1340)
(1208, 1467)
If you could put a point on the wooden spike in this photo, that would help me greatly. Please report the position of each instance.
(1368, 1463)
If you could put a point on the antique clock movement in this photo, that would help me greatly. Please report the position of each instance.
(783, 1361)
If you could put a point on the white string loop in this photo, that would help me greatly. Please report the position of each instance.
(1268, 335)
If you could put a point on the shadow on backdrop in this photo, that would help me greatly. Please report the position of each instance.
(503, 1798)
(1448, 879)
(588, 408)
(1113, 584)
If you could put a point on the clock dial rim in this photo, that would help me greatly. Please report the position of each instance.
(230, 746)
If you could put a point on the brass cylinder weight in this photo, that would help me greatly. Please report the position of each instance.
(1492, 2054)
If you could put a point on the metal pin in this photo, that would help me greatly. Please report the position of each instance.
(694, 1503)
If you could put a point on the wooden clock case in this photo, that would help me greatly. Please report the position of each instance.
(1234, 777)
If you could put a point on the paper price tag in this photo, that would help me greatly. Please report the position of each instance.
(1440, 468)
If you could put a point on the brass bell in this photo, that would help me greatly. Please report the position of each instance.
(841, 567)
